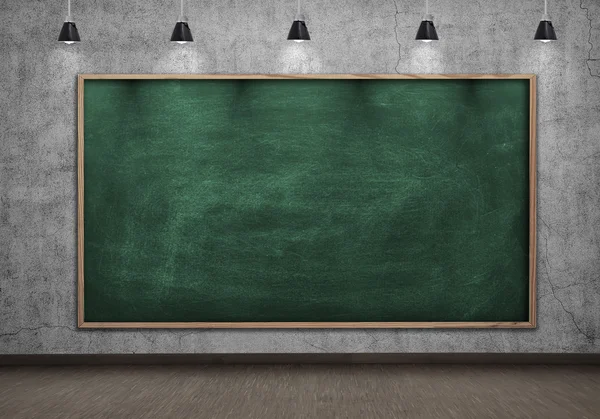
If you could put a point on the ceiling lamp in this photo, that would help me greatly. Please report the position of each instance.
(545, 31)
(427, 32)
(299, 31)
(182, 33)
(69, 33)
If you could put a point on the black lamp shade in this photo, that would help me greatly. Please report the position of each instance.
(69, 33)
(545, 31)
(298, 31)
(426, 31)
(182, 33)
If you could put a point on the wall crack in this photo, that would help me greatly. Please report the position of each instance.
(315, 346)
(183, 336)
(587, 62)
(396, 32)
(33, 329)
(589, 337)
(370, 345)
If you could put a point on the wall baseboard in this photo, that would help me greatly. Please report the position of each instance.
(305, 358)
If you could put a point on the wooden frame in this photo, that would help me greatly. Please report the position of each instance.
(273, 325)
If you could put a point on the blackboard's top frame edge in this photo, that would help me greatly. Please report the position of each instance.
(176, 76)
(306, 325)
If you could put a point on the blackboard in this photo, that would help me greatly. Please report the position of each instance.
(306, 201)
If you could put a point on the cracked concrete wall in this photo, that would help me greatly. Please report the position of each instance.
(38, 144)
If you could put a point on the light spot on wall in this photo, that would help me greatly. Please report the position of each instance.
(542, 58)
(299, 57)
(426, 57)
(64, 62)
(184, 58)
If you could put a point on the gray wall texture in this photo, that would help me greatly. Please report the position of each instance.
(38, 148)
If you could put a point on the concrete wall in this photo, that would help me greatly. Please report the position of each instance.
(38, 144)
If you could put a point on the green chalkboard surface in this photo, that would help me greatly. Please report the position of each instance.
(330, 200)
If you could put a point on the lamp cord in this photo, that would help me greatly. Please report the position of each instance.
(298, 6)
(69, 7)
(426, 7)
(181, 8)
(545, 7)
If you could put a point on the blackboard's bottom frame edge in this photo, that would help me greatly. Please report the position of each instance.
(307, 325)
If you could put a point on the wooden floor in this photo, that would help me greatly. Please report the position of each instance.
(301, 391)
